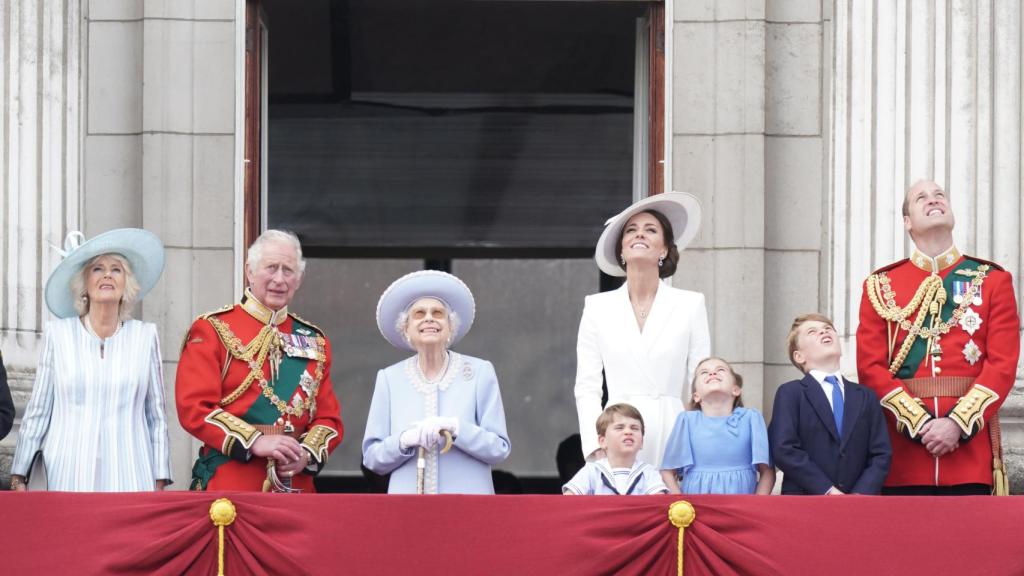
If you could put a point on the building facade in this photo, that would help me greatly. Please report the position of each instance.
(798, 124)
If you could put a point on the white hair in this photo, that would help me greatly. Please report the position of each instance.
(255, 253)
(454, 322)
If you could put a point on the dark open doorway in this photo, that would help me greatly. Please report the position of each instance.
(488, 138)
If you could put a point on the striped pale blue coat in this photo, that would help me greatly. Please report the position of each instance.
(99, 420)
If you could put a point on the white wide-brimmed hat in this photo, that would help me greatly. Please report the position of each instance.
(681, 208)
(424, 284)
(141, 248)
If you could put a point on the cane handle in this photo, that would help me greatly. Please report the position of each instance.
(448, 439)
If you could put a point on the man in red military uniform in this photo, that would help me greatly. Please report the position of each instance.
(938, 341)
(254, 383)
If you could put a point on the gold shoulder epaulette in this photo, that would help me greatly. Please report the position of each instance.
(307, 323)
(205, 315)
(983, 261)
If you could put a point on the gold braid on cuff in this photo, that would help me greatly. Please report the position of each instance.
(316, 441)
(235, 429)
(968, 411)
(909, 412)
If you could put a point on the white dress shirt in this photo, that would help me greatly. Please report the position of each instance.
(826, 387)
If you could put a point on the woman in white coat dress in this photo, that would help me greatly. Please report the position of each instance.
(647, 337)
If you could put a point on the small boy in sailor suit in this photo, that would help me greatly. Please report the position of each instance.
(620, 433)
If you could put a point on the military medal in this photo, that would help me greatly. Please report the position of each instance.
(972, 353)
(959, 289)
(970, 321)
(300, 346)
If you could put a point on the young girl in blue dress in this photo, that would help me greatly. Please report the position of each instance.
(718, 446)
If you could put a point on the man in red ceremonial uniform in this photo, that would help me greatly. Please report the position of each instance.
(938, 341)
(254, 383)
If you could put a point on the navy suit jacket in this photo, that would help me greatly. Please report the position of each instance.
(809, 451)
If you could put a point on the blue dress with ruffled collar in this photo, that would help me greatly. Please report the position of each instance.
(717, 455)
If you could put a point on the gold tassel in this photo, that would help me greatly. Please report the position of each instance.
(681, 514)
(222, 513)
(1000, 484)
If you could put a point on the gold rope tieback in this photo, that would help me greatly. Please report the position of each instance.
(681, 514)
(222, 513)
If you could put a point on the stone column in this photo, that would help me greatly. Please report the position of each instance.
(187, 182)
(157, 148)
(40, 124)
(926, 90)
(717, 99)
(796, 125)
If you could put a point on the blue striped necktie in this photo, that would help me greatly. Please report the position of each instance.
(837, 402)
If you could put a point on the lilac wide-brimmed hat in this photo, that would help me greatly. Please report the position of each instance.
(141, 248)
(424, 284)
(681, 208)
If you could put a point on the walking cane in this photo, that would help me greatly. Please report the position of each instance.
(421, 459)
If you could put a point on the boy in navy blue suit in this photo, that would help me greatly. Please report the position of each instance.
(827, 433)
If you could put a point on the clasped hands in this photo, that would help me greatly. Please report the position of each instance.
(940, 436)
(427, 432)
(289, 456)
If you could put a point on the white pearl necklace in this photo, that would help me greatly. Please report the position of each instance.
(440, 375)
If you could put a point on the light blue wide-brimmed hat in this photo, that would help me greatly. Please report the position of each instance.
(681, 208)
(141, 248)
(424, 284)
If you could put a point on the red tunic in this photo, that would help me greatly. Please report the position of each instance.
(998, 341)
(202, 391)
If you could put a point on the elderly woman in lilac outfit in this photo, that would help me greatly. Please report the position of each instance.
(416, 401)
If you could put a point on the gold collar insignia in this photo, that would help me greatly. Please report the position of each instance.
(265, 315)
(937, 264)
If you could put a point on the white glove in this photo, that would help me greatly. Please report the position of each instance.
(410, 438)
(430, 430)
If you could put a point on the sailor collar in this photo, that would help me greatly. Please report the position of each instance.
(935, 265)
(265, 315)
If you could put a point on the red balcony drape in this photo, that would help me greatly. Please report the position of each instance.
(171, 533)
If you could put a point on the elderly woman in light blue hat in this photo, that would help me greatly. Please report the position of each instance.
(419, 402)
(96, 421)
